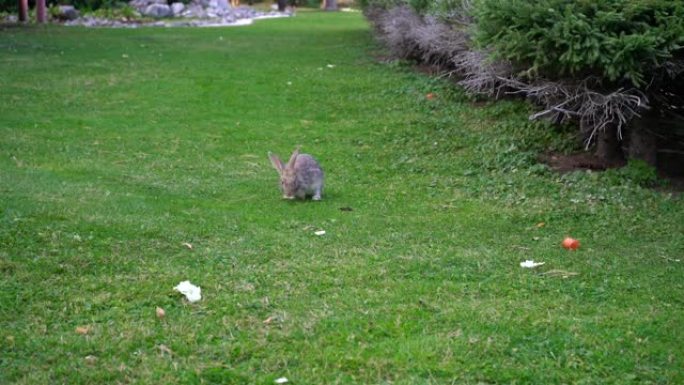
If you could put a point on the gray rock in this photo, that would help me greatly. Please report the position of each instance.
(177, 9)
(141, 5)
(197, 13)
(67, 12)
(157, 10)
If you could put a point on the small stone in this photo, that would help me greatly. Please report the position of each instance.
(177, 8)
(157, 11)
(67, 12)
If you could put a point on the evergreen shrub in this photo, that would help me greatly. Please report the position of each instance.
(618, 41)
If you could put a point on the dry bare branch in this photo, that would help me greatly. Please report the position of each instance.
(398, 28)
(438, 42)
(480, 75)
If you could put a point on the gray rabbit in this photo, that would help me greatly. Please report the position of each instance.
(301, 177)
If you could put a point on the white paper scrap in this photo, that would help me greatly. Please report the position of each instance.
(281, 380)
(320, 232)
(530, 264)
(191, 292)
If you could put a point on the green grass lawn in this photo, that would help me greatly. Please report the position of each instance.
(119, 146)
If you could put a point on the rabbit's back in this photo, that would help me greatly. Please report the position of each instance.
(308, 170)
(309, 176)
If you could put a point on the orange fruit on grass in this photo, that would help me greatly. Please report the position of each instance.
(570, 243)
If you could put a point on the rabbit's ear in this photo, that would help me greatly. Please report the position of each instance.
(275, 161)
(293, 157)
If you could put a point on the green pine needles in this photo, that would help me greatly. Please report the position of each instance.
(621, 41)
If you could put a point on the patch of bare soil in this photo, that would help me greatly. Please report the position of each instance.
(579, 161)
(586, 161)
(429, 69)
(675, 185)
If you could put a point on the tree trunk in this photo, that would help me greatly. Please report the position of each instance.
(40, 11)
(282, 4)
(643, 144)
(608, 148)
(331, 5)
(23, 10)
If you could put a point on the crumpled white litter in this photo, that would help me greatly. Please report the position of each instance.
(531, 264)
(191, 292)
(281, 380)
(319, 232)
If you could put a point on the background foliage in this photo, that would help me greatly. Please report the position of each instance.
(600, 64)
(620, 41)
(11, 5)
